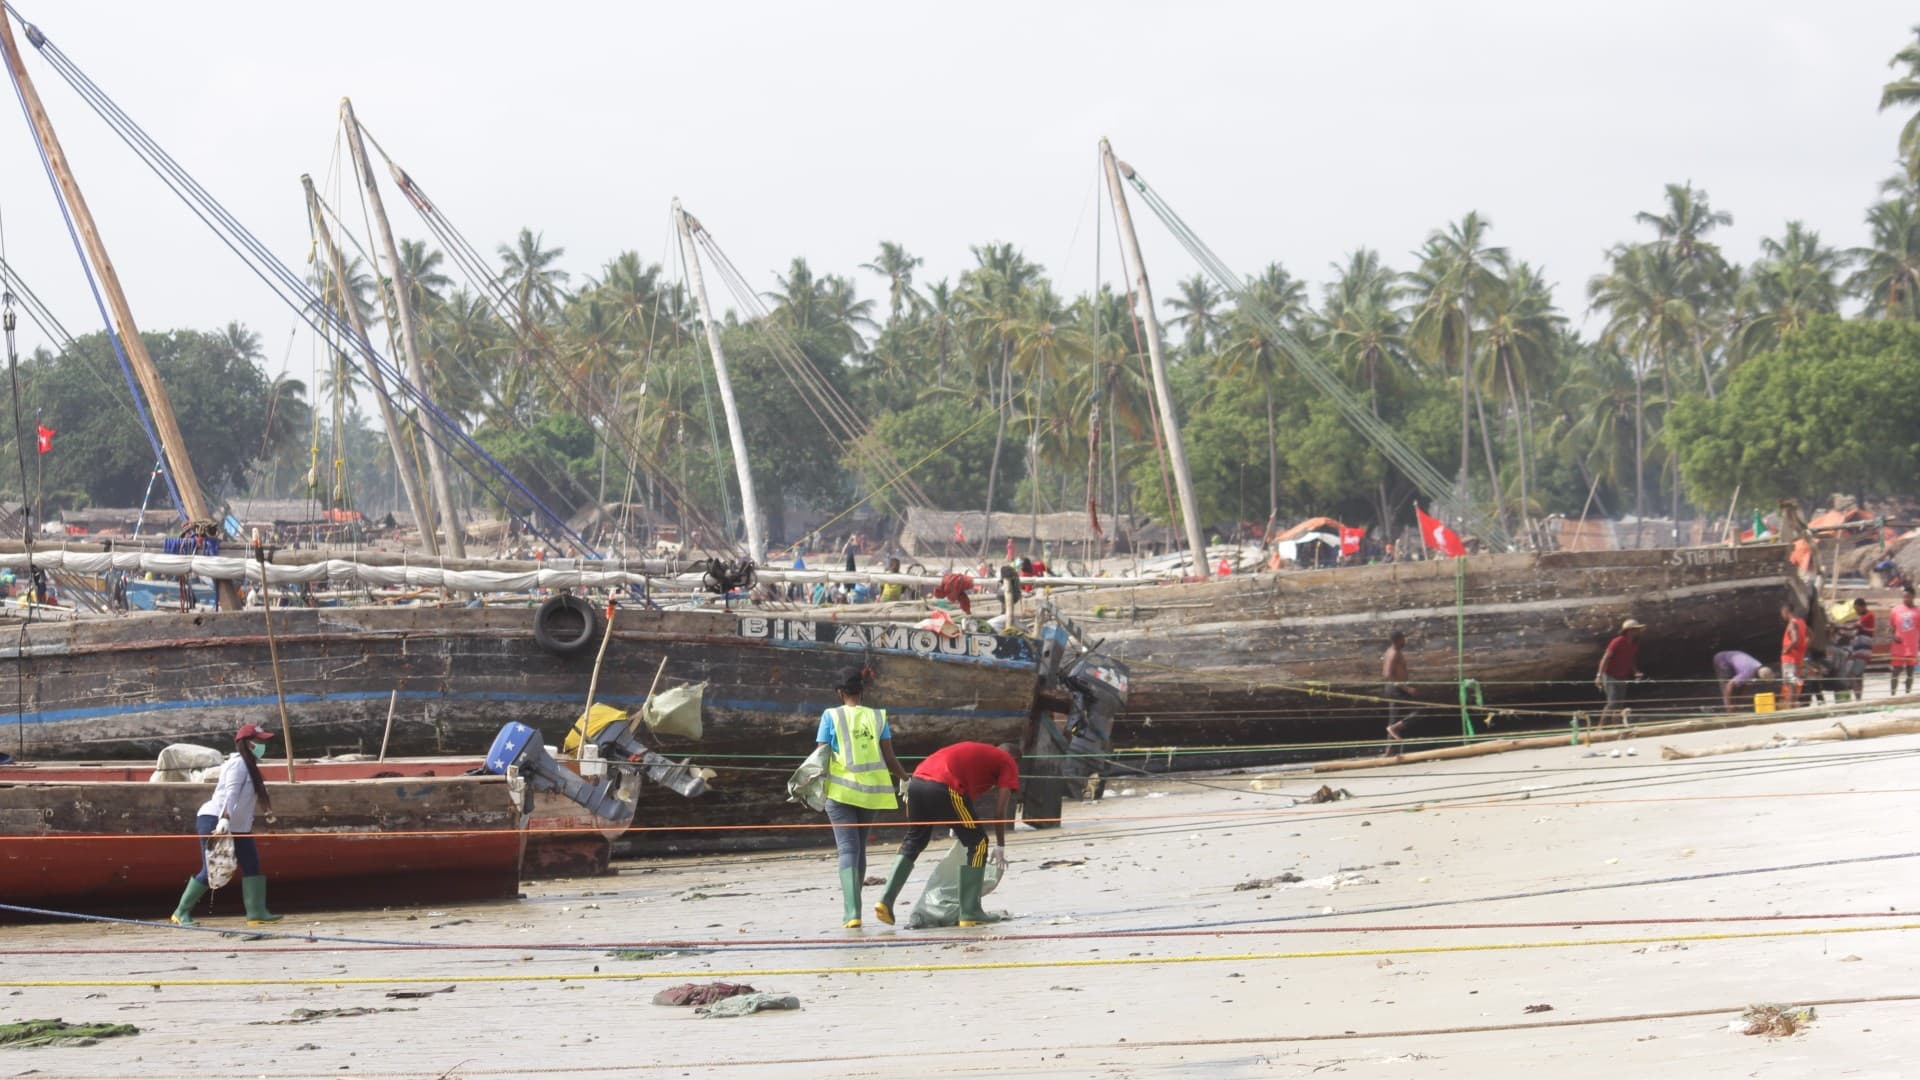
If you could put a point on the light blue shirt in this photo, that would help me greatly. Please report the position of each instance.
(827, 725)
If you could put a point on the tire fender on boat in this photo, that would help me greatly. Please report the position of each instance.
(566, 625)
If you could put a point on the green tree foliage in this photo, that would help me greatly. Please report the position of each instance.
(1818, 413)
(545, 454)
(229, 412)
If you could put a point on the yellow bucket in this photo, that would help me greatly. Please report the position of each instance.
(1762, 703)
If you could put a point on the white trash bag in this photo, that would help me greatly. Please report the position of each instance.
(221, 861)
(939, 903)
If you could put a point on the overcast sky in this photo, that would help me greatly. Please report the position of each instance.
(1286, 131)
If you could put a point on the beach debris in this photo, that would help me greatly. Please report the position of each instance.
(57, 1032)
(1251, 884)
(1540, 1008)
(640, 954)
(1328, 794)
(749, 1003)
(700, 993)
(449, 922)
(873, 879)
(308, 1016)
(1773, 1021)
(1051, 863)
(411, 994)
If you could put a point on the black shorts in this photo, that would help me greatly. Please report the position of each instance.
(931, 804)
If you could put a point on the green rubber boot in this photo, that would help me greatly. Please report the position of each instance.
(896, 880)
(973, 881)
(183, 914)
(850, 896)
(253, 890)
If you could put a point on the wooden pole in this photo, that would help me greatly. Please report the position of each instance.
(405, 468)
(456, 544)
(1727, 534)
(273, 653)
(1163, 393)
(749, 504)
(172, 443)
(393, 702)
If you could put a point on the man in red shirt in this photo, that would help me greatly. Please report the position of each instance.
(941, 792)
(1619, 665)
(1793, 656)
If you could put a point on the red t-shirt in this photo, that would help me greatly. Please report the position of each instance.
(1623, 657)
(971, 768)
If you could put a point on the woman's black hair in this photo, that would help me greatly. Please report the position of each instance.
(852, 681)
(253, 771)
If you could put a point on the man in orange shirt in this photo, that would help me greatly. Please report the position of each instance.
(1905, 652)
(1793, 656)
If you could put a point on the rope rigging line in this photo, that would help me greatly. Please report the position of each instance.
(581, 396)
(291, 288)
(847, 427)
(1439, 491)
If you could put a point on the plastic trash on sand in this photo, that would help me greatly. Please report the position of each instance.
(750, 1003)
(675, 711)
(939, 903)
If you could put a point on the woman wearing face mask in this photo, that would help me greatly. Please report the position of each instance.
(240, 791)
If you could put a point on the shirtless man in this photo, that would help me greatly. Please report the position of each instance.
(1393, 672)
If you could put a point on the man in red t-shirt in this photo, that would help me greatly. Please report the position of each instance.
(1619, 665)
(1905, 653)
(941, 792)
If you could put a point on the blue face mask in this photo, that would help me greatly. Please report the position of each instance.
(259, 749)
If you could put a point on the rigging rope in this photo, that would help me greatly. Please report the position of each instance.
(1440, 491)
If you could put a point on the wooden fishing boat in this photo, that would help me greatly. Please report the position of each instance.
(124, 845)
(1294, 658)
(564, 839)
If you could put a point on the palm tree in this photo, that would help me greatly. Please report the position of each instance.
(1597, 412)
(1796, 279)
(1457, 266)
(894, 264)
(1649, 317)
(1520, 334)
(426, 285)
(1682, 227)
(1250, 351)
(1888, 277)
(1199, 313)
(1364, 331)
(993, 295)
(1904, 91)
(535, 286)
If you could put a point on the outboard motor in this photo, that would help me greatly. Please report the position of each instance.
(618, 742)
(1094, 687)
(519, 747)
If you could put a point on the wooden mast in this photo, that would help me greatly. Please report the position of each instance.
(456, 545)
(173, 445)
(1176, 450)
(749, 505)
(403, 462)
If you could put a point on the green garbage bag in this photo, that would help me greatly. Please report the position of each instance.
(675, 711)
(808, 784)
(939, 903)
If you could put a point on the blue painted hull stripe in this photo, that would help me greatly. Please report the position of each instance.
(98, 712)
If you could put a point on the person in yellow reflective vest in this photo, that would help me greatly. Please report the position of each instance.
(862, 778)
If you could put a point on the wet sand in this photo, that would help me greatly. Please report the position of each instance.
(1398, 886)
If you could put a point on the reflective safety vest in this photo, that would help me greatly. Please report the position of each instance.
(857, 773)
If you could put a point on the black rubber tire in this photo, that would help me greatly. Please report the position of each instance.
(566, 625)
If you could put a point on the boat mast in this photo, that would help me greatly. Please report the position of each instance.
(749, 506)
(403, 303)
(403, 462)
(173, 445)
(1176, 450)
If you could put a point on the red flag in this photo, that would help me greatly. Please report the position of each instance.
(46, 435)
(1436, 535)
(1350, 540)
(959, 532)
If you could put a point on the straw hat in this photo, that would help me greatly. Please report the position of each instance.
(1632, 624)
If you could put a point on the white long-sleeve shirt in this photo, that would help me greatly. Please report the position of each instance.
(234, 795)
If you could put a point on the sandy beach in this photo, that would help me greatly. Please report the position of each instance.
(1557, 911)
